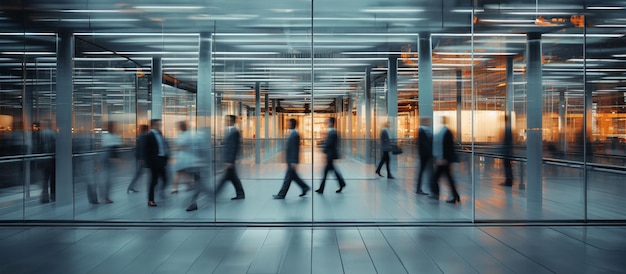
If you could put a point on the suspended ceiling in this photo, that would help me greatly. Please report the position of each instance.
(270, 42)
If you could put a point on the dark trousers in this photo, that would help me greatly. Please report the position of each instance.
(231, 175)
(291, 175)
(508, 172)
(426, 165)
(138, 172)
(199, 185)
(108, 169)
(49, 180)
(155, 173)
(329, 166)
(384, 160)
(445, 170)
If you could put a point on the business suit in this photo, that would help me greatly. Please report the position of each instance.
(385, 147)
(444, 155)
(232, 144)
(292, 157)
(155, 158)
(331, 149)
(425, 147)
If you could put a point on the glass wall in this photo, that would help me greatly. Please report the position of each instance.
(531, 95)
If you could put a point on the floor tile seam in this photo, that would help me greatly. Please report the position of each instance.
(367, 250)
(517, 251)
(582, 241)
(438, 234)
(174, 248)
(203, 251)
(394, 250)
(145, 249)
(112, 254)
(490, 254)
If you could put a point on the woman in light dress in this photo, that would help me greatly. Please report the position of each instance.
(186, 159)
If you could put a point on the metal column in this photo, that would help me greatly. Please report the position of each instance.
(64, 108)
(392, 106)
(257, 115)
(425, 71)
(534, 110)
(157, 88)
(204, 96)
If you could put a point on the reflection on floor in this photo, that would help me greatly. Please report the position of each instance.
(367, 197)
(444, 249)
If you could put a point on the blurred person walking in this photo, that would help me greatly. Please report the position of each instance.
(111, 141)
(385, 148)
(140, 164)
(444, 155)
(202, 151)
(507, 152)
(186, 159)
(331, 149)
(425, 150)
(232, 145)
(47, 144)
(156, 155)
(292, 157)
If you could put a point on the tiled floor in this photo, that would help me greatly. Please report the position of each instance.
(437, 249)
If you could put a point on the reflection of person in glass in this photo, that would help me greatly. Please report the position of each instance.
(156, 155)
(232, 144)
(507, 151)
(385, 148)
(292, 155)
(140, 163)
(47, 144)
(444, 155)
(425, 150)
(331, 149)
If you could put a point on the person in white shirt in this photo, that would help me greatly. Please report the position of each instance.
(186, 159)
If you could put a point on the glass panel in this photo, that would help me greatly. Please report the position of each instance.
(15, 120)
(606, 78)
(554, 69)
(366, 75)
(261, 72)
(40, 81)
(514, 182)
(104, 130)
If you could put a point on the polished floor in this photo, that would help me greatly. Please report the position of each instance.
(438, 249)
(366, 199)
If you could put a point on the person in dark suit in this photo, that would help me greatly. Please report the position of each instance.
(292, 156)
(140, 164)
(385, 147)
(156, 154)
(232, 144)
(507, 151)
(331, 149)
(425, 150)
(444, 155)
